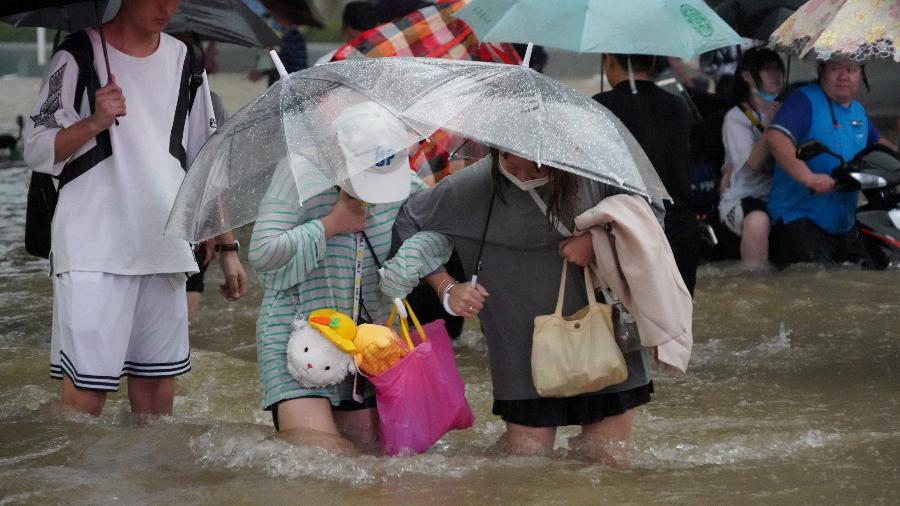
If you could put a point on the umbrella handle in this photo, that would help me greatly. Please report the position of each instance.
(278, 65)
(401, 309)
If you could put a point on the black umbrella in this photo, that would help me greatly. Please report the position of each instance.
(59, 14)
(9, 7)
(755, 19)
(229, 21)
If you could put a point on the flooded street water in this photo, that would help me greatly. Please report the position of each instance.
(792, 397)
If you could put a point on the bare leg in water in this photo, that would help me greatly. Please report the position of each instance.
(524, 440)
(605, 441)
(359, 426)
(310, 421)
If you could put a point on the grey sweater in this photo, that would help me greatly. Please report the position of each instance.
(520, 268)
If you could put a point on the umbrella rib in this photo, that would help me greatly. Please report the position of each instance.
(528, 72)
(281, 118)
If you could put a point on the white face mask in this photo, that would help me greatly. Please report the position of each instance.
(523, 185)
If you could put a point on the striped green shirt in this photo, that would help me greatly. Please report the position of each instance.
(301, 271)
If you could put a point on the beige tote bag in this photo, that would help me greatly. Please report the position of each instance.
(577, 354)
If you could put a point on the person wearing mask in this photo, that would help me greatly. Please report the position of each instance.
(747, 175)
(310, 257)
(524, 251)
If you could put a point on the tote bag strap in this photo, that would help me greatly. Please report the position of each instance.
(608, 295)
(588, 285)
(404, 326)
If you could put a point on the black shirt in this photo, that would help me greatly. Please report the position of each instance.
(661, 123)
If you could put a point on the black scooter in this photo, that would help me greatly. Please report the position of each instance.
(876, 172)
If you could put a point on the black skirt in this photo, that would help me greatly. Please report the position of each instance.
(581, 410)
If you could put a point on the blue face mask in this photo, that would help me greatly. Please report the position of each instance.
(768, 97)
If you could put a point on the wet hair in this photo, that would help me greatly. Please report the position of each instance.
(639, 62)
(360, 16)
(753, 61)
(563, 188)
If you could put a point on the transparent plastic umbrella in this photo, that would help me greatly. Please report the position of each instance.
(518, 110)
(294, 124)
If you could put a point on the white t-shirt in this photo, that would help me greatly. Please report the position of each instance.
(111, 218)
(739, 135)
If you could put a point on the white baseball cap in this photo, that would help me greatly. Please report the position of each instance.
(369, 135)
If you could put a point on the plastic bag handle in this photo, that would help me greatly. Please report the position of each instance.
(404, 326)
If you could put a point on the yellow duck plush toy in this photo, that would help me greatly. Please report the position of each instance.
(378, 348)
(374, 348)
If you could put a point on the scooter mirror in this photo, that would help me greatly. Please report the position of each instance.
(20, 121)
(810, 149)
(894, 215)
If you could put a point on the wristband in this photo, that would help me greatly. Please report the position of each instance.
(235, 246)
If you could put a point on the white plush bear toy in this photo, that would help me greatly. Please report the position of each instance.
(313, 359)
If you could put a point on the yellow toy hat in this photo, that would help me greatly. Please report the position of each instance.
(337, 327)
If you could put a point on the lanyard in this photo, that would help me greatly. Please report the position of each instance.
(754, 120)
(362, 244)
(357, 275)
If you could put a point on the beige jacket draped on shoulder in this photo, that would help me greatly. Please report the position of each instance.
(635, 262)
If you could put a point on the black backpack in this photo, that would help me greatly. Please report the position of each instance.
(43, 193)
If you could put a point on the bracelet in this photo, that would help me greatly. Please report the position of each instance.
(446, 302)
(446, 291)
(442, 287)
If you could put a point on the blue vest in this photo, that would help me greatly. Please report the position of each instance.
(834, 212)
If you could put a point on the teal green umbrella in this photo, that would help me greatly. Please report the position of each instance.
(680, 28)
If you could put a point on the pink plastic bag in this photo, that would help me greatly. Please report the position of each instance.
(422, 397)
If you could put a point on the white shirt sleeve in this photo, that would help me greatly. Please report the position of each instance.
(738, 136)
(53, 111)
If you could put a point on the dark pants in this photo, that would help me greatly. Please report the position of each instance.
(804, 241)
(683, 233)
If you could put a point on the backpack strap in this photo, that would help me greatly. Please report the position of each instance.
(191, 79)
(78, 44)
